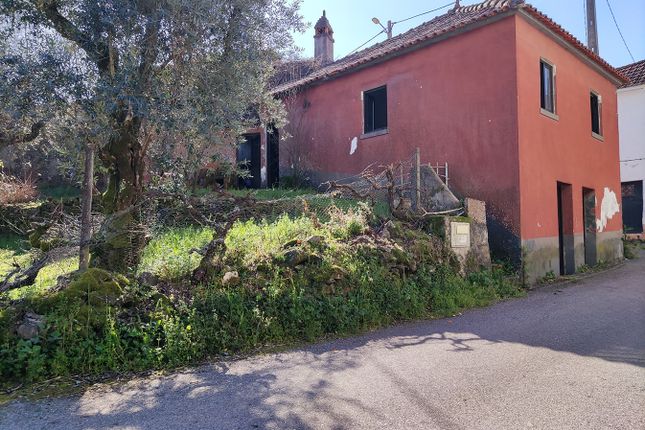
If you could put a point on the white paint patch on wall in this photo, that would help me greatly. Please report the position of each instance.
(263, 174)
(608, 208)
(353, 146)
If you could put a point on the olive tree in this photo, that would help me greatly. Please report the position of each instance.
(135, 70)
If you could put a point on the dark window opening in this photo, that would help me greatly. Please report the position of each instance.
(375, 109)
(547, 87)
(596, 114)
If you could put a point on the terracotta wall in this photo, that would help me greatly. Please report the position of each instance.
(456, 100)
(564, 149)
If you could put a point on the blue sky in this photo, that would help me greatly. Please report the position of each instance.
(351, 20)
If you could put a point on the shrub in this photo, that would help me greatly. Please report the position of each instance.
(14, 190)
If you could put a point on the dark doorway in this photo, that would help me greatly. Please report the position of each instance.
(249, 159)
(273, 157)
(632, 206)
(565, 229)
(589, 221)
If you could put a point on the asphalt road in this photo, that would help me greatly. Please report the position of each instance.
(568, 357)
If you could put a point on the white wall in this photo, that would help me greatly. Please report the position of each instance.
(631, 128)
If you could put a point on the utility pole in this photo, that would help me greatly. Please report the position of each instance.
(387, 30)
(592, 26)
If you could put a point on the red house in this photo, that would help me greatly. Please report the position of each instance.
(525, 115)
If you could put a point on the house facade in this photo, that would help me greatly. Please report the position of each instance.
(631, 123)
(523, 113)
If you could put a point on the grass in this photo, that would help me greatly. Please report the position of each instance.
(47, 278)
(168, 255)
(274, 193)
(256, 241)
(14, 248)
(59, 192)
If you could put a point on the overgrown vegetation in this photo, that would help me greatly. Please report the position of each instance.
(291, 279)
(631, 248)
(16, 190)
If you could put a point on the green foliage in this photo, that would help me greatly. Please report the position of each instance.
(548, 278)
(630, 249)
(168, 255)
(101, 322)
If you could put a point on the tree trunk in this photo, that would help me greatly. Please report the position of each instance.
(122, 236)
(86, 211)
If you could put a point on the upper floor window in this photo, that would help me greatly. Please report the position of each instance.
(375, 110)
(596, 113)
(547, 86)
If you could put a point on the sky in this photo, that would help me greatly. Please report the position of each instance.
(352, 22)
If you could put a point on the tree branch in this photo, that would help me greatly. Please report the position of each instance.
(34, 132)
(98, 51)
(27, 277)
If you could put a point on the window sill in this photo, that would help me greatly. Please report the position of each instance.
(598, 136)
(374, 133)
(549, 114)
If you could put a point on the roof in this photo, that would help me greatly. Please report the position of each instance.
(440, 27)
(288, 71)
(635, 72)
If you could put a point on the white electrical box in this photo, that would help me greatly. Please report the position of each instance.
(460, 234)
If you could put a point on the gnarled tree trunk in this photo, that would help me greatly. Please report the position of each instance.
(120, 241)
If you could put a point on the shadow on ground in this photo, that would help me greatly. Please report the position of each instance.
(602, 317)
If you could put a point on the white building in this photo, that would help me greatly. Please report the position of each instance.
(631, 126)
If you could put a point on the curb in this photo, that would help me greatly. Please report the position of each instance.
(577, 278)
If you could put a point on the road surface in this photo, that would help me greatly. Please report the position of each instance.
(567, 357)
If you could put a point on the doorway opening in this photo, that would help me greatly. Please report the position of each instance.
(273, 157)
(633, 206)
(250, 161)
(589, 222)
(565, 229)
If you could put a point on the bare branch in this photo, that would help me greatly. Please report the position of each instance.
(27, 277)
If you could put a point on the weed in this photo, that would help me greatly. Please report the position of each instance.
(548, 278)
(169, 256)
(630, 249)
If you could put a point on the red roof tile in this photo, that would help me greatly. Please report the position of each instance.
(442, 25)
(635, 72)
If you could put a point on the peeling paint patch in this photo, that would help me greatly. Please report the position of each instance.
(608, 208)
(263, 174)
(353, 146)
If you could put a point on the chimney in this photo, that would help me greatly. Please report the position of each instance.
(324, 41)
(592, 26)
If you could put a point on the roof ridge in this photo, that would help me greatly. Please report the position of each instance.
(487, 4)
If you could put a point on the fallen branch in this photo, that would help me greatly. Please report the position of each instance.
(27, 277)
